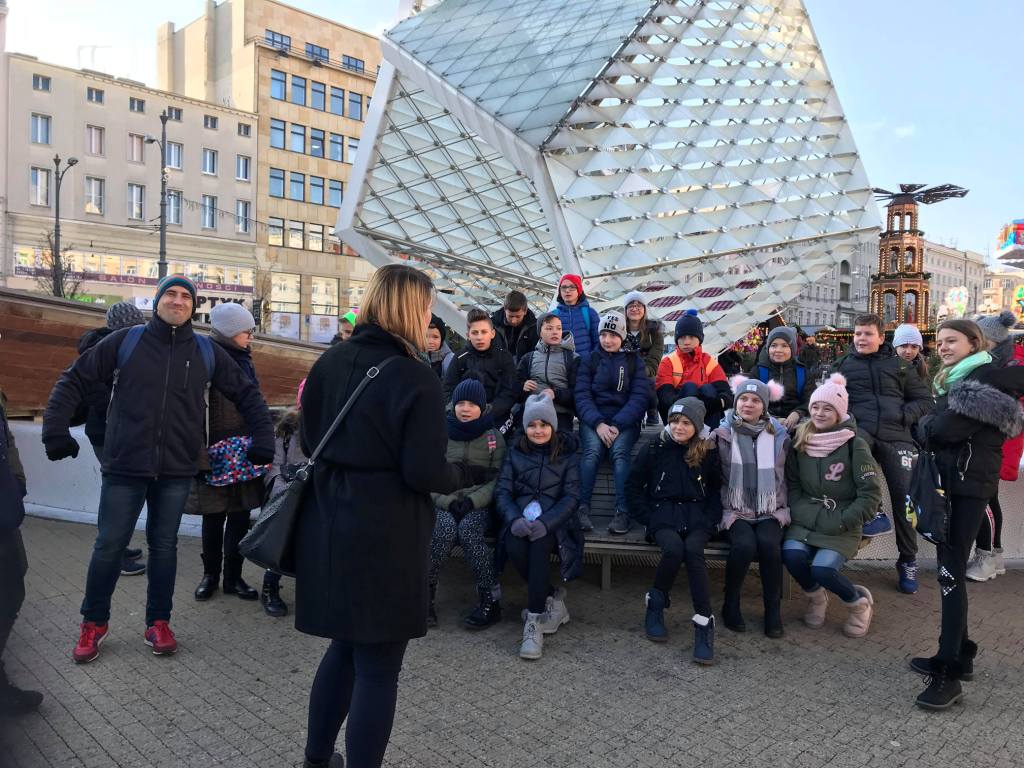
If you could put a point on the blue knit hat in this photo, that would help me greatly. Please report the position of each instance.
(690, 325)
(179, 280)
(472, 390)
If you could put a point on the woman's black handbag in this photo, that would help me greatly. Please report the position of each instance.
(928, 507)
(270, 543)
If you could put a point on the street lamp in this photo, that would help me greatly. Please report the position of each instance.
(162, 141)
(58, 263)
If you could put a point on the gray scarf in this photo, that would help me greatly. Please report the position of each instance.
(752, 469)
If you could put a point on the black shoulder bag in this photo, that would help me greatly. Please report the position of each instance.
(271, 541)
(928, 507)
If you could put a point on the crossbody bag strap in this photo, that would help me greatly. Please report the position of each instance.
(371, 374)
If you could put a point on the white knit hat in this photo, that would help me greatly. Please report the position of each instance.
(907, 334)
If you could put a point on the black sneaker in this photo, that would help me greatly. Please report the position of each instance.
(131, 567)
(584, 516)
(133, 554)
(620, 523)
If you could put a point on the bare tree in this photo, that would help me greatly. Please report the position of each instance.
(262, 287)
(56, 275)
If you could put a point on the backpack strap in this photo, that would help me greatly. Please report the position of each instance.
(762, 373)
(128, 345)
(801, 379)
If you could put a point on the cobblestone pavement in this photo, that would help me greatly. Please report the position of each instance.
(602, 696)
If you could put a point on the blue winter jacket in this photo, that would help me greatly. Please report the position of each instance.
(612, 389)
(583, 322)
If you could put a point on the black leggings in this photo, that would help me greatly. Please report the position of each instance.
(990, 535)
(952, 559)
(358, 681)
(221, 533)
(755, 541)
(533, 561)
(688, 548)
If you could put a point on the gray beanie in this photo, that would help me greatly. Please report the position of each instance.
(229, 319)
(633, 296)
(907, 333)
(786, 333)
(997, 327)
(692, 408)
(123, 315)
(539, 407)
(614, 322)
(768, 393)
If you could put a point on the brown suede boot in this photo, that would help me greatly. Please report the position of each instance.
(859, 620)
(817, 603)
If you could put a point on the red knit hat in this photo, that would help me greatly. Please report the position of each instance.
(575, 280)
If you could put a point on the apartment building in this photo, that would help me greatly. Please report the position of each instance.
(953, 268)
(309, 81)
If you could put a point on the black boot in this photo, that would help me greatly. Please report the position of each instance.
(943, 689)
(270, 597)
(431, 609)
(14, 701)
(336, 761)
(240, 588)
(486, 614)
(923, 665)
(207, 586)
(773, 619)
(704, 641)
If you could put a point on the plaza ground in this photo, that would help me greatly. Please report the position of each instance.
(602, 696)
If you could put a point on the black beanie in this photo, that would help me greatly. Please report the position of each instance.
(437, 322)
(690, 325)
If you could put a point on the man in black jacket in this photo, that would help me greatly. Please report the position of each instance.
(515, 326)
(153, 437)
(887, 398)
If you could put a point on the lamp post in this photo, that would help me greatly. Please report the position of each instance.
(162, 141)
(58, 263)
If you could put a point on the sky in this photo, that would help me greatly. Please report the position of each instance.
(931, 88)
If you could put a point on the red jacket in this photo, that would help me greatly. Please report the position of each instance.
(1014, 447)
(698, 367)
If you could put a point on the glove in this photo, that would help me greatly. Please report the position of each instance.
(537, 530)
(520, 527)
(460, 508)
(61, 447)
(258, 456)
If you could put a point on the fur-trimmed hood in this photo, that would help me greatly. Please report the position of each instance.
(983, 402)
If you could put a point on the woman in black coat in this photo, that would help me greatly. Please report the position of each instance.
(363, 537)
(976, 410)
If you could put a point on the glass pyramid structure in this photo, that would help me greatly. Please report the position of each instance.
(695, 150)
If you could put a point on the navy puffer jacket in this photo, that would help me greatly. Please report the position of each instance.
(612, 389)
(582, 322)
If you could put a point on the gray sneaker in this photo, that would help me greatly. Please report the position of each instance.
(620, 523)
(532, 646)
(555, 613)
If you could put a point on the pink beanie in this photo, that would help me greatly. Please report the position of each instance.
(833, 392)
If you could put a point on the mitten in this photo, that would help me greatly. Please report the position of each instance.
(520, 527)
(61, 447)
(537, 530)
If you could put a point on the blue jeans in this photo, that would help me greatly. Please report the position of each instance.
(121, 501)
(813, 568)
(593, 451)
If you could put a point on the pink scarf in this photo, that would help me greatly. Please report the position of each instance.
(821, 444)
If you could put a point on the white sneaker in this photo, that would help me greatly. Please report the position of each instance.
(1000, 565)
(555, 613)
(983, 566)
(532, 646)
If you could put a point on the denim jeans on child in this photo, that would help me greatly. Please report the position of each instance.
(813, 568)
(593, 451)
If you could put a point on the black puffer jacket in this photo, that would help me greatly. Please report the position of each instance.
(495, 369)
(13, 487)
(663, 491)
(158, 412)
(96, 402)
(887, 397)
(970, 424)
(527, 475)
(788, 374)
(517, 340)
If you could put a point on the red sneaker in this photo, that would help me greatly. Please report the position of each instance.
(89, 639)
(160, 638)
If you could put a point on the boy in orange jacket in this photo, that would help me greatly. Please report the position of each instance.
(691, 372)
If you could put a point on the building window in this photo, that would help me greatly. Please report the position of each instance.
(244, 130)
(208, 212)
(211, 122)
(277, 40)
(40, 129)
(297, 143)
(337, 101)
(95, 95)
(350, 62)
(94, 189)
(317, 95)
(353, 148)
(174, 113)
(316, 142)
(136, 148)
(40, 83)
(39, 187)
(334, 194)
(276, 182)
(297, 186)
(174, 155)
(299, 90)
(94, 143)
(315, 240)
(317, 52)
(295, 232)
(337, 150)
(355, 105)
(242, 163)
(275, 231)
(243, 224)
(210, 161)
(277, 84)
(316, 190)
(136, 105)
(277, 134)
(174, 206)
(136, 202)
